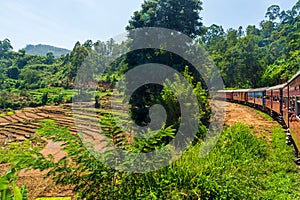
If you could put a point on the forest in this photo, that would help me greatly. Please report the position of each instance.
(240, 166)
(270, 52)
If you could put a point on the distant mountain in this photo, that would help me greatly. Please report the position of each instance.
(42, 50)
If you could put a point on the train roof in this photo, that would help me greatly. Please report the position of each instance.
(258, 89)
(241, 90)
(225, 90)
(276, 87)
(294, 77)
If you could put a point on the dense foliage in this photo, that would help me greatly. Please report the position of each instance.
(25, 80)
(181, 15)
(255, 57)
(249, 57)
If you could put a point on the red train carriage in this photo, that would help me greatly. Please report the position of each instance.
(282, 100)
(229, 95)
(225, 95)
(241, 95)
(291, 107)
(274, 99)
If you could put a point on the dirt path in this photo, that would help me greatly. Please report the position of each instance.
(241, 113)
(23, 123)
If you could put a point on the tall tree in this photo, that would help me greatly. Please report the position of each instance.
(273, 12)
(180, 15)
(5, 45)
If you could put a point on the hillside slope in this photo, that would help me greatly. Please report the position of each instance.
(42, 50)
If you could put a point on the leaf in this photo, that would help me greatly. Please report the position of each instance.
(3, 183)
(24, 192)
(17, 193)
(5, 194)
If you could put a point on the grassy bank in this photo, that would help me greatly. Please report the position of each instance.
(240, 166)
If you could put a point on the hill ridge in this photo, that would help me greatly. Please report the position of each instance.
(43, 49)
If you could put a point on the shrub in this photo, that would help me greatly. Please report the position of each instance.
(58, 99)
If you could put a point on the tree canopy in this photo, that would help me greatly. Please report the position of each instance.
(180, 15)
(264, 56)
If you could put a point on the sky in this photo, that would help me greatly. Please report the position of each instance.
(63, 22)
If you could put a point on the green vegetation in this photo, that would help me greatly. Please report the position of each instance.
(16, 149)
(257, 56)
(54, 198)
(270, 51)
(9, 190)
(240, 166)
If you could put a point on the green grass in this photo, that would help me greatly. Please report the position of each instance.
(240, 166)
(7, 113)
(264, 115)
(52, 92)
(14, 150)
(10, 113)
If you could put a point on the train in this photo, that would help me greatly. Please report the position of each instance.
(282, 102)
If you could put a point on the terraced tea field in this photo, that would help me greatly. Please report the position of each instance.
(23, 124)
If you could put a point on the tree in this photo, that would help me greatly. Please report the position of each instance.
(5, 46)
(273, 12)
(30, 76)
(252, 30)
(44, 98)
(13, 72)
(88, 44)
(6, 97)
(22, 52)
(76, 58)
(49, 58)
(213, 35)
(180, 15)
(267, 27)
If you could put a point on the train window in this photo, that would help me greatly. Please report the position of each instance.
(275, 98)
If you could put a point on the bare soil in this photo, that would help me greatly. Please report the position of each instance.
(261, 126)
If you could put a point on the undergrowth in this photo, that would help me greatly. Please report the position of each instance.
(240, 166)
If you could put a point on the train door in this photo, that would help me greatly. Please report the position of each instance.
(298, 106)
(285, 105)
(280, 100)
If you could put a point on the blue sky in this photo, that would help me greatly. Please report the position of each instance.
(63, 22)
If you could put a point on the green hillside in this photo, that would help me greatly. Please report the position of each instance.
(42, 50)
